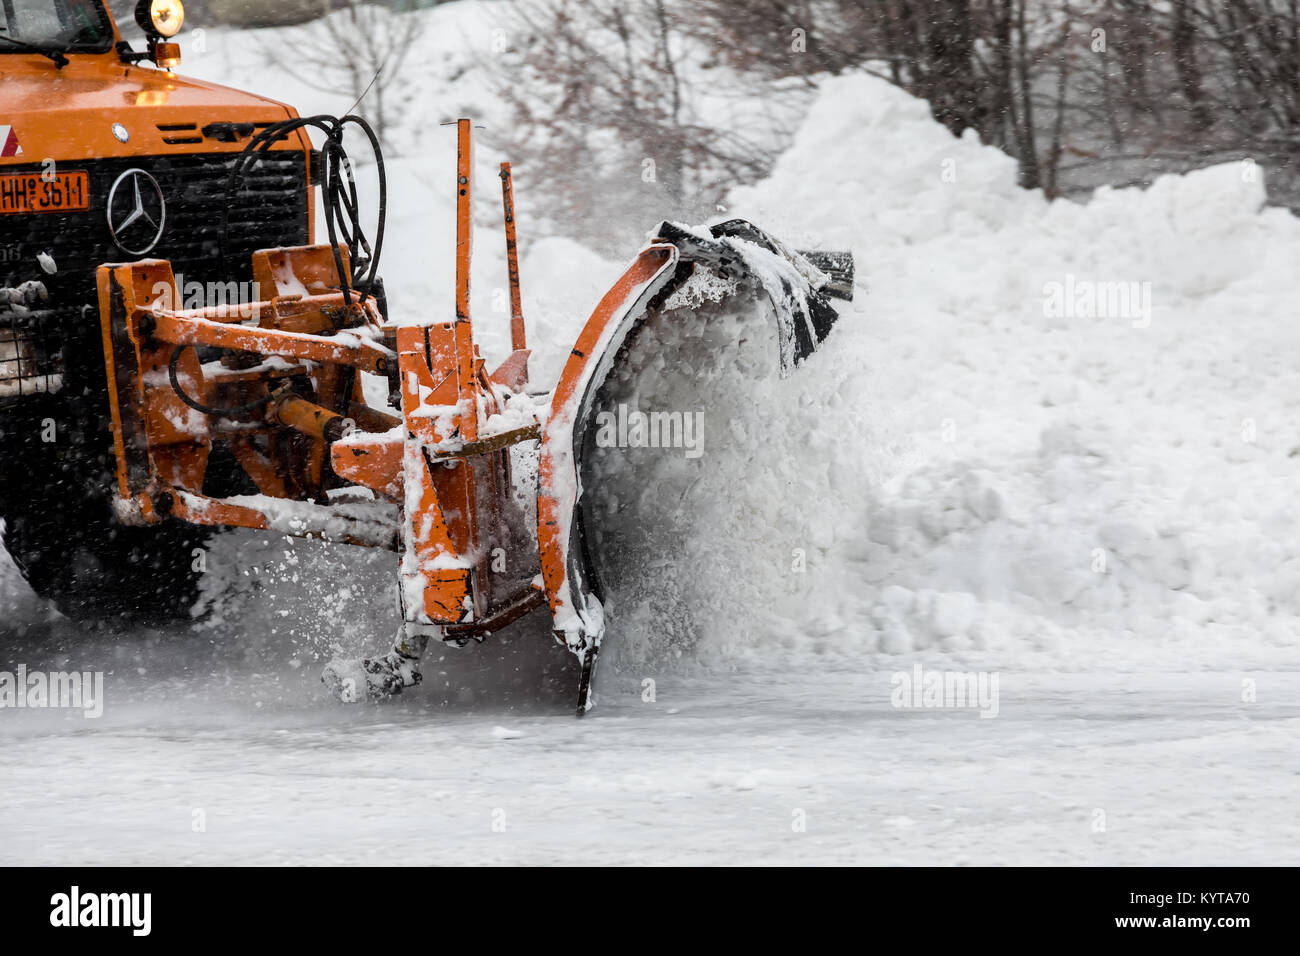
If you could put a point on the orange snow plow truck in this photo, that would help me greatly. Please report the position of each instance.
(137, 418)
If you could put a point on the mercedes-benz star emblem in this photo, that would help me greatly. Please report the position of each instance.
(137, 212)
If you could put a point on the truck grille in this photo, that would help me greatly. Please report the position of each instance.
(267, 209)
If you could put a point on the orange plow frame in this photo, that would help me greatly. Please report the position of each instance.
(434, 464)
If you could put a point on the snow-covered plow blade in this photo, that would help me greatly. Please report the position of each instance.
(733, 265)
(255, 417)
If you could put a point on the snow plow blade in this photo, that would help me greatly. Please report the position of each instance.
(736, 256)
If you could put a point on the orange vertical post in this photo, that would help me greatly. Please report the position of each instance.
(464, 338)
(518, 339)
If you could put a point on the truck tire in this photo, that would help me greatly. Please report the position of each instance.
(62, 535)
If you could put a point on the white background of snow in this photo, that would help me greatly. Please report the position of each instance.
(1120, 691)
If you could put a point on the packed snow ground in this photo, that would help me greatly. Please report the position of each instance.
(1084, 768)
(1095, 507)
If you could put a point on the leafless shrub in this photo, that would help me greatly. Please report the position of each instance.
(621, 115)
(358, 49)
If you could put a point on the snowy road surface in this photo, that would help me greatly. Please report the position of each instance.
(720, 768)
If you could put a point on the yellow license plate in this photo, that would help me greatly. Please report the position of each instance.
(44, 192)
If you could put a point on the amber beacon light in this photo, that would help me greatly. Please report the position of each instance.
(161, 20)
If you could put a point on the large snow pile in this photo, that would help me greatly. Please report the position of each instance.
(983, 458)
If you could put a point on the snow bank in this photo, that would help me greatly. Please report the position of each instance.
(979, 464)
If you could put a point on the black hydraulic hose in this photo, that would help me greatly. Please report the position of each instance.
(342, 208)
(342, 219)
(199, 406)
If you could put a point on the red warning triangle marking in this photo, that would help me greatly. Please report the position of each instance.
(9, 142)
